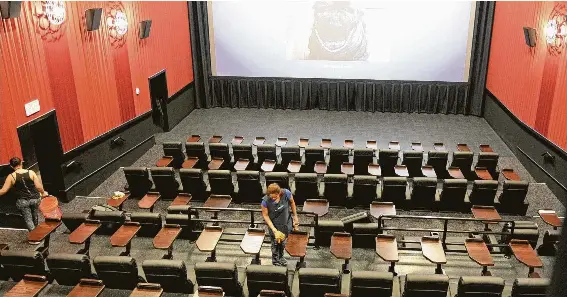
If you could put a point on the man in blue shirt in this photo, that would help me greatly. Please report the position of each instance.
(276, 207)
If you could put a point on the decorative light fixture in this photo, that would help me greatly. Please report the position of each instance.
(55, 12)
(556, 29)
(117, 23)
(121, 23)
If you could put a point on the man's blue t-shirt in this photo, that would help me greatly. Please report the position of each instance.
(279, 212)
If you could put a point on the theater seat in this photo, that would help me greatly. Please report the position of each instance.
(223, 275)
(361, 159)
(266, 277)
(438, 160)
(548, 246)
(326, 229)
(170, 274)
(387, 160)
(305, 187)
(480, 286)
(364, 234)
(490, 162)
(221, 182)
(413, 160)
(423, 193)
(464, 161)
(220, 150)
(432, 285)
(68, 269)
(513, 196)
(175, 150)
(280, 178)
(363, 190)
(243, 151)
(530, 287)
(335, 189)
(289, 153)
(182, 220)
(18, 263)
(315, 282)
(312, 155)
(483, 192)
(193, 183)
(117, 272)
(138, 179)
(526, 230)
(110, 220)
(394, 189)
(371, 283)
(150, 223)
(453, 194)
(165, 182)
(197, 150)
(266, 152)
(72, 220)
(337, 156)
(249, 187)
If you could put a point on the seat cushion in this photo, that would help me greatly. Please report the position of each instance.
(69, 261)
(326, 276)
(164, 266)
(372, 278)
(265, 271)
(485, 284)
(215, 269)
(530, 287)
(437, 282)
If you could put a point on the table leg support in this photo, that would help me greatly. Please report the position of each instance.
(86, 249)
(152, 208)
(439, 270)
(127, 251)
(213, 257)
(346, 267)
(532, 273)
(169, 254)
(301, 263)
(215, 217)
(256, 260)
(392, 268)
(485, 271)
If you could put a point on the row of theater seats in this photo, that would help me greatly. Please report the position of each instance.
(361, 158)
(424, 192)
(120, 272)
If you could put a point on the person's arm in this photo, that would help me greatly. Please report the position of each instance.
(294, 211)
(268, 220)
(7, 185)
(38, 184)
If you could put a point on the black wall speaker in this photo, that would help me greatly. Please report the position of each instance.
(145, 29)
(92, 17)
(530, 35)
(10, 9)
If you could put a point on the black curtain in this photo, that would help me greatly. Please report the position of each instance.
(338, 94)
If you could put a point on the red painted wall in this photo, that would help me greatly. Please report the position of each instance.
(531, 82)
(89, 78)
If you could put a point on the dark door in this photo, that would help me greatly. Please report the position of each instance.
(44, 134)
(158, 96)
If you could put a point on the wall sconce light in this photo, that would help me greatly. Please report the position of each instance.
(556, 30)
(118, 24)
(55, 12)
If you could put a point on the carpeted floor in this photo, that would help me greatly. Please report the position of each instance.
(383, 127)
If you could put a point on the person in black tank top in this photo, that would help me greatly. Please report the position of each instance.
(28, 189)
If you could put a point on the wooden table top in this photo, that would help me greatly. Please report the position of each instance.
(349, 143)
(401, 170)
(237, 139)
(394, 145)
(417, 146)
(241, 164)
(455, 172)
(320, 167)
(463, 147)
(372, 144)
(215, 139)
(28, 287)
(165, 161)
(252, 241)
(215, 163)
(43, 229)
(87, 288)
(303, 142)
(85, 230)
(486, 212)
(347, 168)
(294, 166)
(190, 162)
(428, 171)
(483, 173)
(318, 206)
(281, 141)
(326, 143)
(341, 245)
(382, 208)
(478, 251)
(181, 199)
(117, 202)
(387, 247)
(194, 138)
(524, 252)
(439, 146)
(166, 236)
(146, 292)
(49, 207)
(209, 238)
(485, 148)
(218, 201)
(209, 291)
(433, 250)
(268, 165)
(550, 217)
(510, 174)
(124, 234)
(148, 200)
(374, 169)
(259, 140)
(297, 243)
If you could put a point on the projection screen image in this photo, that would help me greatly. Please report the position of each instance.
(341, 39)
